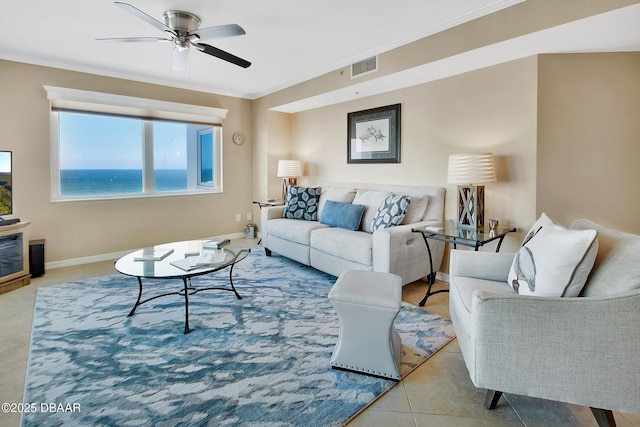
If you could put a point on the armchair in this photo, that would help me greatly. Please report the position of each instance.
(583, 350)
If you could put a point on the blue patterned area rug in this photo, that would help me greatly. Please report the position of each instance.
(262, 360)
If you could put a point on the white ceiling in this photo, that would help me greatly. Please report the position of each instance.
(287, 41)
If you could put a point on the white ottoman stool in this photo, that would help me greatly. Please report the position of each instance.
(367, 303)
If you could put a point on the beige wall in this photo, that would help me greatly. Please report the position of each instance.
(272, 143)
(489, 110)
(90, 228)
(589, 138)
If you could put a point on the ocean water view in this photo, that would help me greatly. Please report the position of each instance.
(82, 182)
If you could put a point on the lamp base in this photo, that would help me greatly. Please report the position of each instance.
(470, 207)
(286, 182)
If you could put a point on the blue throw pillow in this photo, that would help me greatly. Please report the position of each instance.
(302, 203)
(390, 212)
(343, 215)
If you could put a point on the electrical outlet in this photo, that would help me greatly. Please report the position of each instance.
(249, 216)
(238, 217)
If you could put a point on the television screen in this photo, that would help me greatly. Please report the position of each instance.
(6, 184)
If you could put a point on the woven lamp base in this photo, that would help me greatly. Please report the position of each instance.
(471, 207)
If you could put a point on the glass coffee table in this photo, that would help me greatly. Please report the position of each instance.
(181, 264)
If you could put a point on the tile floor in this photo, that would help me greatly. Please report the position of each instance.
(438, 393)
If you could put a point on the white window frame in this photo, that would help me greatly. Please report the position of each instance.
(142, 108)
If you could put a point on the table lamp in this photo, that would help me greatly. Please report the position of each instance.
(468, 170)
(289, 170)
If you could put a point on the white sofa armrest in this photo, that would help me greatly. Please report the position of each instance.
(272, 212)
(577, 350)
(400, 251)
(480, 265)
(267, 213)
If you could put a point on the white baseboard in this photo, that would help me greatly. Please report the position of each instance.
(442, 276)
(111, 256)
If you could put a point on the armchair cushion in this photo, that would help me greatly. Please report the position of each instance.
(466, 286)
(553, 261)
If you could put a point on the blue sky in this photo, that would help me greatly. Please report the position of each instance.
(5, 161)
(103, 142)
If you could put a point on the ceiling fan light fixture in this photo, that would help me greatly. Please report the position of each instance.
(180, 58)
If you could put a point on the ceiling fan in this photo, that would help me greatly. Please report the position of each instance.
(182, 28)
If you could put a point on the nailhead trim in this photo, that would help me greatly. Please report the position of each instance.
(368, 371)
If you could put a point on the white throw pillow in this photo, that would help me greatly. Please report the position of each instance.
(553, 261)
(415, 211)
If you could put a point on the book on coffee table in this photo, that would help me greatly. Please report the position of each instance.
(153, 254)
(206, 259)
(216, 243)
(185, 264)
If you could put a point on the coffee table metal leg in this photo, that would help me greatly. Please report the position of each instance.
(186, 306)
(133, 310)
(231, 281)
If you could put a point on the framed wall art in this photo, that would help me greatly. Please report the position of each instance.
(373, 136)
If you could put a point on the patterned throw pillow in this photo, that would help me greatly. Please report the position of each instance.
(553, 261)
(302, 203)
(390, 212)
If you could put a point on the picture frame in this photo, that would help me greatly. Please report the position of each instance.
(373, 136)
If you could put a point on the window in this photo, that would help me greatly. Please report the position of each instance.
(102, 153)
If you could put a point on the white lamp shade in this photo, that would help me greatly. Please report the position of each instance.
(471, 168)
(289, 168)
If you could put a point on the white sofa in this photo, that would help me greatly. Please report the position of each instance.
(333, 250)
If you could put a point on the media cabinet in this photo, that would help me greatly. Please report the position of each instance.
(14, 257)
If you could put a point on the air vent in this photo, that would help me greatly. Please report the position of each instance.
(366, 66)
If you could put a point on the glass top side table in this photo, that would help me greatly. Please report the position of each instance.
(450, 233)
(268, 203)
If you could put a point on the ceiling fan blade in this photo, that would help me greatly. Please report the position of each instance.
(134, 39)
(140, 14)
(219, 53)
(180, 58)
(219, 31)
